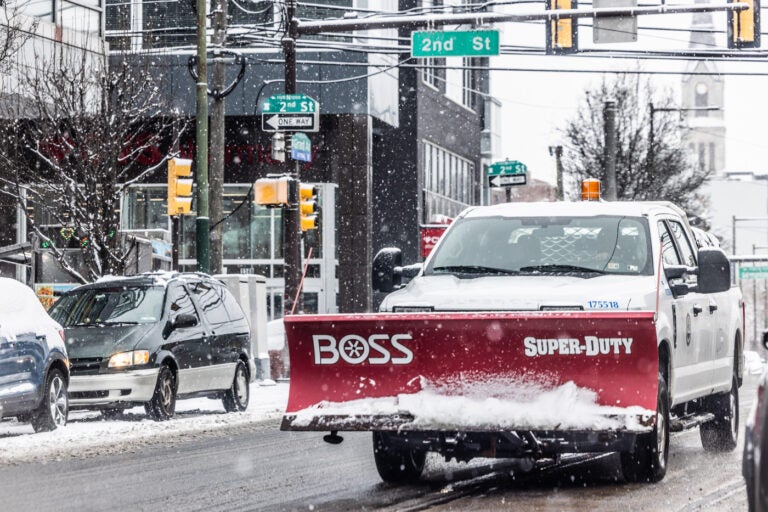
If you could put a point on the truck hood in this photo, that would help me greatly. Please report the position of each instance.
(103, 341)
(525, 293)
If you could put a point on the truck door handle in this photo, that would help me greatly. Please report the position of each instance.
(712, 308)
(697, 310)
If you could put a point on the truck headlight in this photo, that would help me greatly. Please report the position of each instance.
(133, 358)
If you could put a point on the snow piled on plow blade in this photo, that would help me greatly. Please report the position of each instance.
(477, 407)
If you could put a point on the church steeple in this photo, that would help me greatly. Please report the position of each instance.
(702, 86)
(702, 29)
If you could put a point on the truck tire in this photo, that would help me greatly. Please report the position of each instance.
(396, 465)
(722, 433)
(647, 461)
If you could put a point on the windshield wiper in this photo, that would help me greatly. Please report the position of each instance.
(100, 324)
(560, 268)
(472, 269)
(118, 322)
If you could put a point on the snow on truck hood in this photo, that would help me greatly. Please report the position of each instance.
(525, 293)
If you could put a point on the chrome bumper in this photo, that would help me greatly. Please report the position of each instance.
(98, 390)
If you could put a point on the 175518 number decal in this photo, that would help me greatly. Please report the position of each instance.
(603, 304)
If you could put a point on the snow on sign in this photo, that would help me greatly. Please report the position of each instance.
(290, 112)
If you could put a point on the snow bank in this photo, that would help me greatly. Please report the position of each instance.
(492, 405)
(88, 434)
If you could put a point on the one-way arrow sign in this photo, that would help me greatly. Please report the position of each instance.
(508, 180)
(289, 122)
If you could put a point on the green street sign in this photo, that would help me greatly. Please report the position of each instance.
(301, 147)
(506, 168)
(753, 272)
(289, 104)
(289, 113)
(460, 43)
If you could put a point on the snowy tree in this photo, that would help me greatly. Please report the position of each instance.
(661, 171)
(15, 30)
(84, 140)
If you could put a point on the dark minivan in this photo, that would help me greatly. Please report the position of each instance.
(153, 338)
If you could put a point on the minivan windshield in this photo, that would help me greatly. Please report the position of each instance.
(118, 305)
(585, 246)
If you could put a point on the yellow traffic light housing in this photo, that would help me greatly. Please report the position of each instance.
(562, 34)
(272, 192)
(744, 26)
(179, 186)
(308, 206)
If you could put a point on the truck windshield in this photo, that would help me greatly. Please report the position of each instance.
(544, 245)
(100, 306)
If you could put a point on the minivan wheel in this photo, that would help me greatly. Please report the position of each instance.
(54, 407)
(236, 398)
(163, 403)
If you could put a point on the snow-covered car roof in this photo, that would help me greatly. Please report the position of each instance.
(573, 209)
(20, 309)
(159, 278)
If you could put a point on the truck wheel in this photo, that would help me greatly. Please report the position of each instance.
(647, 461)
(163, 403)
(722, 433)
(396, 464)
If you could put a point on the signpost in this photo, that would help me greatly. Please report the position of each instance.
(301, 147)
(290, 112)
(508, 173)
(460, 43)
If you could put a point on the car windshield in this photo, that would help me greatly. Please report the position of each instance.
(586, 246)
(118, 305)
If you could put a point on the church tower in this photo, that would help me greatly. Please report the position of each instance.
(705, 135)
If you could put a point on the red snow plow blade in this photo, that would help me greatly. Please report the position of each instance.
(576, 371)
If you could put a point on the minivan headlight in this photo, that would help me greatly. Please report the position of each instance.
(133, 358)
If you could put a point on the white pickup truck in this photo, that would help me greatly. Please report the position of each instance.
(531, 330)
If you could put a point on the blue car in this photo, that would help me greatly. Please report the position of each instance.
(34, 369)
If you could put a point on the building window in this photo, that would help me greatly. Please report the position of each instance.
(712, 157)
(431, 71)
(701, 99)
(468, 85)
(449, 182)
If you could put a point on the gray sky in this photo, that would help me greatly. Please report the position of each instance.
(536, 105)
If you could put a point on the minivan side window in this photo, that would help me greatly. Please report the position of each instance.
(211, 302)
(233, 308)
(180, 303)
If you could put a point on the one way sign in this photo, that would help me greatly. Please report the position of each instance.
(290, 122)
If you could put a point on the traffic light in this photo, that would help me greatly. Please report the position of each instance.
(308, 206)
(744, 26)
(273, 191)
(179, 186)
(562, 34)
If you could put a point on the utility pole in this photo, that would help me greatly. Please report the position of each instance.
(218, 135)
(557, 151)
(291, 213)
(203, 222)
(610, 150)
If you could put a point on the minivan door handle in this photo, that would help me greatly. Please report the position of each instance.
(697, 310)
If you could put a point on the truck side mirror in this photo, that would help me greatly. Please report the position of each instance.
(675, 275)
(383, 274)
(765, 339)
(714, 270)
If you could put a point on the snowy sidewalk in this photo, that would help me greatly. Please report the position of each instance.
(88, 434)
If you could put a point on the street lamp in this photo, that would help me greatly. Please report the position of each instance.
(651, 134)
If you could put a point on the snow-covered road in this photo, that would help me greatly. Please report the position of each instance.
(89, 434)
